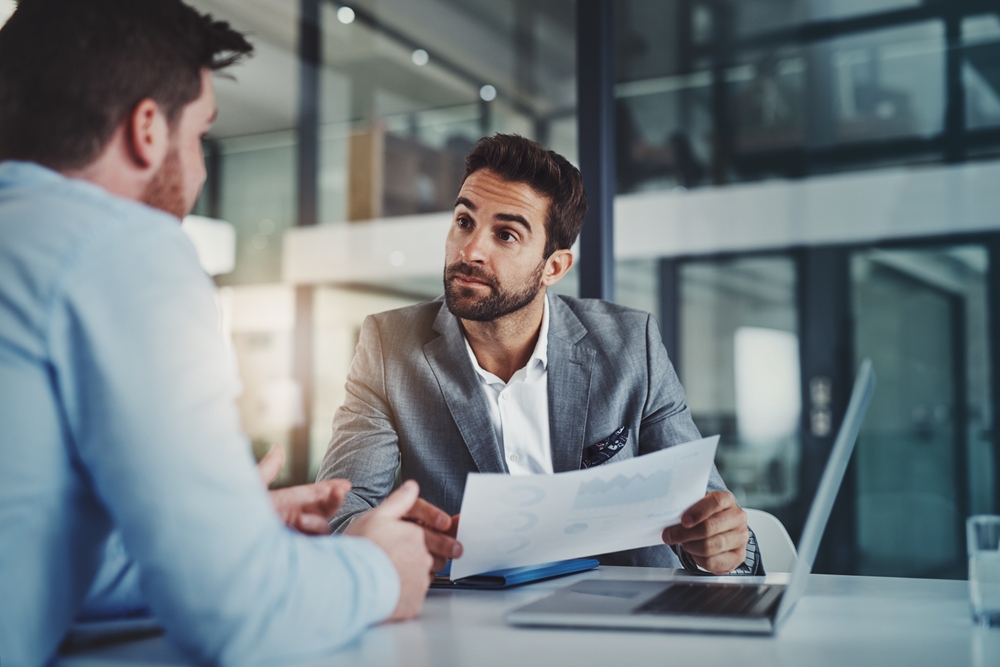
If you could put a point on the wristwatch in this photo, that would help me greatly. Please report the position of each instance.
(752, 566)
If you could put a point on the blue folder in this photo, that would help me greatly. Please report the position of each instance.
(515, 576)
(91, 633)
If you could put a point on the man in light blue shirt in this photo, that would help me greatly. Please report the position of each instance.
(125, 479)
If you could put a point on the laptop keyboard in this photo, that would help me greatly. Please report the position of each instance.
(712, 599)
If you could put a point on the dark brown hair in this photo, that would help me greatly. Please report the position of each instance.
(519, 160)
(72, 70)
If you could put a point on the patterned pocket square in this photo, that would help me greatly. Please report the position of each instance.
(600, 453)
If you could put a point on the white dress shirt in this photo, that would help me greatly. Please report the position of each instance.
(519, 409)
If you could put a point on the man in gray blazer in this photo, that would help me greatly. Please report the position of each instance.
(501, 377)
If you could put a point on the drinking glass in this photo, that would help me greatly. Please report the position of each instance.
(983, 535)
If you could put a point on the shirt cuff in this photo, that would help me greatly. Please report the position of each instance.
(752, 566)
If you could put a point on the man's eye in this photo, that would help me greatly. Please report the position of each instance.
(463, 222)
(507, 236)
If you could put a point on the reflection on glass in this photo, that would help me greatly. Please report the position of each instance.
(924, 457)
(652, 151)
(887, 83)
(408, 87)
(981, 70)
(739, 364)
(257, 195)
(717, 108)
(663, 109)
(757, 16)
(768, 95)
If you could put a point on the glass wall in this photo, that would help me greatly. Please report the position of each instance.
(981, 70)
(739, 363)
(408, 87)
(777, 161)
(405, 87)
(251, 155)
(925, 450)
(732, 92)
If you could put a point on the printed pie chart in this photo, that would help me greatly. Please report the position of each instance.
(516, 522)
(512, 545)
(525, 495)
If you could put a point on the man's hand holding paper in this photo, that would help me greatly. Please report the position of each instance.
(713, 532)
(510, 521)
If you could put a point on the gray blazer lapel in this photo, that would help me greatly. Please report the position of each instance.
(459, 383)
(570, 363)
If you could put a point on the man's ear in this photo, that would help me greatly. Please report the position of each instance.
(147, 135)
(556, 267)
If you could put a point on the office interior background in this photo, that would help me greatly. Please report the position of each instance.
(798, 184)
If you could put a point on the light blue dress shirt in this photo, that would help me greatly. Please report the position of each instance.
(119, 434)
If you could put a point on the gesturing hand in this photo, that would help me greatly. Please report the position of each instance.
(403, 542)
(306, 508)
(439, 532)
(713, 532)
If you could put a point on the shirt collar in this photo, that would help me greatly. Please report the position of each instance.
(539, 358)
(16, 172)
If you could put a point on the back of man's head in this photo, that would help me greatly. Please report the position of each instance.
(519, 160)
(72, 70)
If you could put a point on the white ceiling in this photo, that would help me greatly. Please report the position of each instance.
(478, 35)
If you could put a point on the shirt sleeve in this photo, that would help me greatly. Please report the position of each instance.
(149, 395)
(114, 592)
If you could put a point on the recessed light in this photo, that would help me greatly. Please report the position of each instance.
(345, 15)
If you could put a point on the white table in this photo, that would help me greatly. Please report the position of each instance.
(841, 622)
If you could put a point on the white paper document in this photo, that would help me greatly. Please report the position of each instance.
(510, 521)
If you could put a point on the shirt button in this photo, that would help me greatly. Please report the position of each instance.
(513, 457)
(505, 397)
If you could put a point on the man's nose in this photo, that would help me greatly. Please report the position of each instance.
(474, 250)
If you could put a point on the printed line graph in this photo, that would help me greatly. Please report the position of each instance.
(622, 490)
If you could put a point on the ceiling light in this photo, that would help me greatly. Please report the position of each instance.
(345, 15)
(420, 57)
(488, 93)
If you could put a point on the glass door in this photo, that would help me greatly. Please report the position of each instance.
(920, 315)
(739, 363)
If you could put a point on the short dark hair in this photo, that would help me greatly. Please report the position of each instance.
(72, 70)
(519, 160)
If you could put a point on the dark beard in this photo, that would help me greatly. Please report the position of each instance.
(494, 305)
(166, 190)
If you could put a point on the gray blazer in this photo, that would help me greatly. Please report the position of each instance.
(414, 400)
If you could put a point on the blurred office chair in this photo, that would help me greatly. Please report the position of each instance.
(776, 548)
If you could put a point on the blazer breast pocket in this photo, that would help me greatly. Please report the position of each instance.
(602, 452)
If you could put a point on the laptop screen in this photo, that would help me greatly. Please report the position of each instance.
(833, 475)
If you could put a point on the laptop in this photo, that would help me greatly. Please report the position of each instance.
(752, 608)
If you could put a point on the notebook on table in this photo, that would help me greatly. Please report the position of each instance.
(515, 576)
